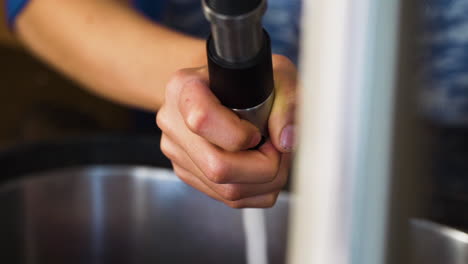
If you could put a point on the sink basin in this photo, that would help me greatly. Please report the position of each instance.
(124, 214)
(438, 244)
(72, 203)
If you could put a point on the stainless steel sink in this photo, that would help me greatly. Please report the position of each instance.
(138, 214)
(124, 214)
(437, 244)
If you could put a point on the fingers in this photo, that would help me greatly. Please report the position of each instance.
(236, 167)
(204, 115)
(281, 122)
(218, 165)
(228, 192)
(209, 144)
(261, 201)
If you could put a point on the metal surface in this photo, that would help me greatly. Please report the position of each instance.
(258, 115)
(438, 244)
(347, 112)
(111, 214)
(237, 39)
(346, 118)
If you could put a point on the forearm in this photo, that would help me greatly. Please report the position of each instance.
(108, 48)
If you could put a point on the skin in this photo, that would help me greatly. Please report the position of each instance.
(109, 48)
(208, 144)
(116, 53)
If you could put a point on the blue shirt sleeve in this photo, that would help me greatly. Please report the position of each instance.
(13, 9)
(152, 9)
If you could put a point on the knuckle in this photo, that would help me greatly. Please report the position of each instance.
(166, 150)
(179, 78)
(177, 81)
(231, 193)
(179, 173)
(197, 120)
(217, 170)
(160, 119)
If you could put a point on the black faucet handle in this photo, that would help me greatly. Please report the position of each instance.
(233, 7)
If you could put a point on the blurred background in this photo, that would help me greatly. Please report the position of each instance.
(40, 104)
(37, 103)
(443, 102)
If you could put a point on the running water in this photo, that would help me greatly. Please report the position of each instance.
(255, 236)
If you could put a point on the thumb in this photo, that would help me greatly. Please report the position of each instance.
(281, 124)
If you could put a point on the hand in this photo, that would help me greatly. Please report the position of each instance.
(208, 144)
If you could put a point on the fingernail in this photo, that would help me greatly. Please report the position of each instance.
(288, 137)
